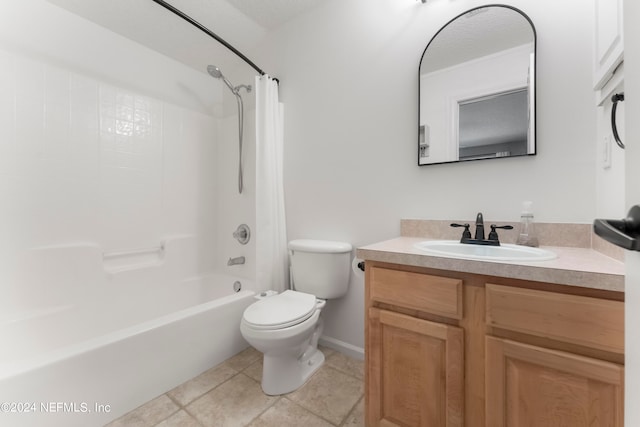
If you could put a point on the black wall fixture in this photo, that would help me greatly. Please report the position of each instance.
(615, 99)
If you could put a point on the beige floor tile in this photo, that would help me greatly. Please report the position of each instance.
(233, 403)
(329, 394)
(346, 364)
(244, 358)
(254, 370)
(206, 381)
(356, 417)
(285, 413)
(148, 414)
(326, 351)
(180, 419)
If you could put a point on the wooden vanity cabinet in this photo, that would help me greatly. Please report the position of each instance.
(454, 349)
(573, 380)
(415, 366)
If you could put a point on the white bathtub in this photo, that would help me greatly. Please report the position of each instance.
(86, 364)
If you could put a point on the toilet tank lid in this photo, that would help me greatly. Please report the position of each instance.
(319, 246)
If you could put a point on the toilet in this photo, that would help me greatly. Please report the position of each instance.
(286, 327)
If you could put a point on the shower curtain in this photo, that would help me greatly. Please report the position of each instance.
(272, 267)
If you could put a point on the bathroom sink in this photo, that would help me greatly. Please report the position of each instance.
(505, 252)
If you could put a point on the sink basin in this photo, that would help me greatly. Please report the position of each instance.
(505, 252)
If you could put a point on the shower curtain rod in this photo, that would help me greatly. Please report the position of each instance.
(209, 32)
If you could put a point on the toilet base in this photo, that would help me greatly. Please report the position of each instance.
(282, 375)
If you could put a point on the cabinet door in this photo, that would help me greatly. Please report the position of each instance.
(415, 372)
(537, 387)
(608, 41)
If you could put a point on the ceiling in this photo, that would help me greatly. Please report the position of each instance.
(273, 13)
(242, 23)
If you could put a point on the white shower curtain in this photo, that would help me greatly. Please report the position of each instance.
(272, 266)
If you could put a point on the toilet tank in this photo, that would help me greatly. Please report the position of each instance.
(320, 267)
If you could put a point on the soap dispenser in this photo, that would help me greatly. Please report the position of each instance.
(527, 236)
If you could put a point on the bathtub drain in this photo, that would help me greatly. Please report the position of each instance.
(237, 286)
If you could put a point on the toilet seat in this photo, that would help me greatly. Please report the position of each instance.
(280, 311)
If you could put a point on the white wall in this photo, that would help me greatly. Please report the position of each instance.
(349, 80)
(102, 140)
(610, 188)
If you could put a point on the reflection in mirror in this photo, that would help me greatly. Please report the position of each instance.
(477, 88)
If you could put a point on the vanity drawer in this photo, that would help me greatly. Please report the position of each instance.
(586, 321)
(441, 296)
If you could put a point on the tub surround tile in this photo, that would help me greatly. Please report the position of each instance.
(234, 403)
(149, 414)
(207, 381)
(287, 413)
(329, 394)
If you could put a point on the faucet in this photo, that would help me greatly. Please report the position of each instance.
(479, 237)
(236, 260)
(479, 227)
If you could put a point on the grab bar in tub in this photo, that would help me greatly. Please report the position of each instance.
(108, 255)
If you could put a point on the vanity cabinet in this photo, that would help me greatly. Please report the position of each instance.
(416, 371)
(540, 385)
(415, 366)
(445, 348)
(534, 386)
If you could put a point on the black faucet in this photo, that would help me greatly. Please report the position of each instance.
(479, 227)
(479, 237)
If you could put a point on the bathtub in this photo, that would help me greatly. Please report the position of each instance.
(87, 364)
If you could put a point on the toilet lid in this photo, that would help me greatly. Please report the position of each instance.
(280, 311)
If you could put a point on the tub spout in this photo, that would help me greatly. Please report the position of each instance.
(236, 260)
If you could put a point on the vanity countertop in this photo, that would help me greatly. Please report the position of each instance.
(582, 267)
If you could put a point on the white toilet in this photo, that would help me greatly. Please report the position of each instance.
(286, 327)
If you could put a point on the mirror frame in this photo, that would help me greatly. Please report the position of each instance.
(532, 114)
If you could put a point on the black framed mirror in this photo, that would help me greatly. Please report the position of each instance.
(477, 88)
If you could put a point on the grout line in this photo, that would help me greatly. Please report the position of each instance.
(326, 366)
(193, 416)
(174, 400)
(285, 396)
(265, 409)
(351, 411)
(309, 411)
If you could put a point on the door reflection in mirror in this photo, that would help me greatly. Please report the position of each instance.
(477, 88)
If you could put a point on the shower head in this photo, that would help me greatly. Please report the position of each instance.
(215, 72)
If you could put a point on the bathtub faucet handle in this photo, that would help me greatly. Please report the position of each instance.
(242, 234)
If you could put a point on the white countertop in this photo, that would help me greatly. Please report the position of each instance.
(581, 267)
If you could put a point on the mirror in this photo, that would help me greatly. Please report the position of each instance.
(477, 88)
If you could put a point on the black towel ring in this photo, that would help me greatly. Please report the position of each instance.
(615, 99)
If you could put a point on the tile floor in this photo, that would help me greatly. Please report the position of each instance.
(230, 395)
